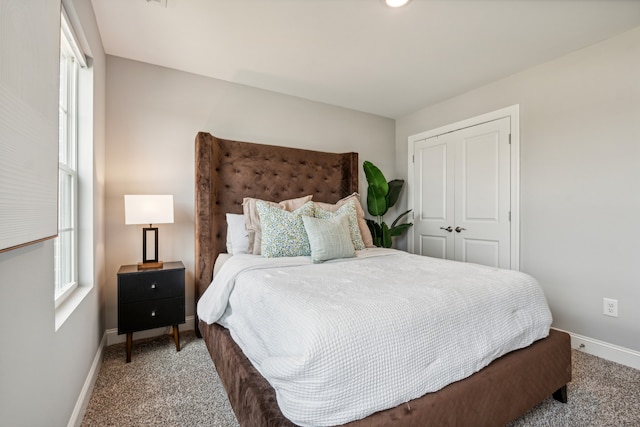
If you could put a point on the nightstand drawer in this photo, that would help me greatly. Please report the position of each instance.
(150, 285)
(142, 315)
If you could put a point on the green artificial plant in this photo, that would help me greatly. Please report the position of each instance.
(382, 195)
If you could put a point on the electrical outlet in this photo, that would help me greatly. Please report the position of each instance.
(610, 307)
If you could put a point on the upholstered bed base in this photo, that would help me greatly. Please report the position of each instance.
(227, 171)
(499, 393)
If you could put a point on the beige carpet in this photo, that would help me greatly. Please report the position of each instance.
(159, 387)
(162, 387)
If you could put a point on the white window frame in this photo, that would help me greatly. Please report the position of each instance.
(66, 244)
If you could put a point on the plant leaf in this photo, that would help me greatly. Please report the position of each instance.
(372, 226)
(399, 230)
(395, 188)
(386, 236)
(376, 232)
(393, 224)
(375, 177)
(376, 203)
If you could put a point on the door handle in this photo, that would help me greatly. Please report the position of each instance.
(449, 229)
(459, 229)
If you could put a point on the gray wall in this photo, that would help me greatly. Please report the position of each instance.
(153, 115)
(42, 370)
(580, 179)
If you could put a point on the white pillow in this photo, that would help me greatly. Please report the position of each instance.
(237, 235)
(329, 238)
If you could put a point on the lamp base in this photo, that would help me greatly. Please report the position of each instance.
(149, 265)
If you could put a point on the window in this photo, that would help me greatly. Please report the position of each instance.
(66, 244)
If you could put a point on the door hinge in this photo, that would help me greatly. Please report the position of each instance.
(413, 160)
(509, 139)
(509, 216)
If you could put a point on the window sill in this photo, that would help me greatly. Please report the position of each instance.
(68, 306)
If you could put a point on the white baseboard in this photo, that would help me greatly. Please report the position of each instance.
(114, 338)
(605, 350)
(85, 394)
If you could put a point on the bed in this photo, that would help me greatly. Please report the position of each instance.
(228, 171)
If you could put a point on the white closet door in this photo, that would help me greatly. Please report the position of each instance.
(462, 195)
(434, 198)
(483, 194)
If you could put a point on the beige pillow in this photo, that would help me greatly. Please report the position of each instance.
(362, 222)
(252, 219)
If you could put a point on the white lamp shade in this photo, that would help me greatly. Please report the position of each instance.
(148, 209)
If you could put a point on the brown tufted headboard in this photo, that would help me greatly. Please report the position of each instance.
(227, 171)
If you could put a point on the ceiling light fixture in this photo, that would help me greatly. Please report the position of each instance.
(397, 3)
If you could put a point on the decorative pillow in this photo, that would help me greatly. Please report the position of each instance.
(237, 235)
(367, 239)
(283, 232)
(349, 210)
(252, 219)
(329, 238)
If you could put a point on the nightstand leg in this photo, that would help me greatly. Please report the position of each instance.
(129, 345)
(176, 337)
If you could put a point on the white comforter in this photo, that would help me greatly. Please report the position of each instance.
(341, 340)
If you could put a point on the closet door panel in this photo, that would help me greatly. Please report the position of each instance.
(482, 193)
(486, 252)
(433, 194)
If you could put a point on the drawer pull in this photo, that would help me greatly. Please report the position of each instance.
(153, 285)
(153, 313)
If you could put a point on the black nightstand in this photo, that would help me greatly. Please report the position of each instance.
(150, 299)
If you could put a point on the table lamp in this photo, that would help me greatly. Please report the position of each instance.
(148, 209)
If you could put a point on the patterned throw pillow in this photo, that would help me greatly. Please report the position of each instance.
(349, 210)
(329, 238)
(252, 219)
(283, 232)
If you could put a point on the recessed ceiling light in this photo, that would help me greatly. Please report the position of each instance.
(396, 3)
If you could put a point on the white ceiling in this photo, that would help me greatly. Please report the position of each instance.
(358, 54)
